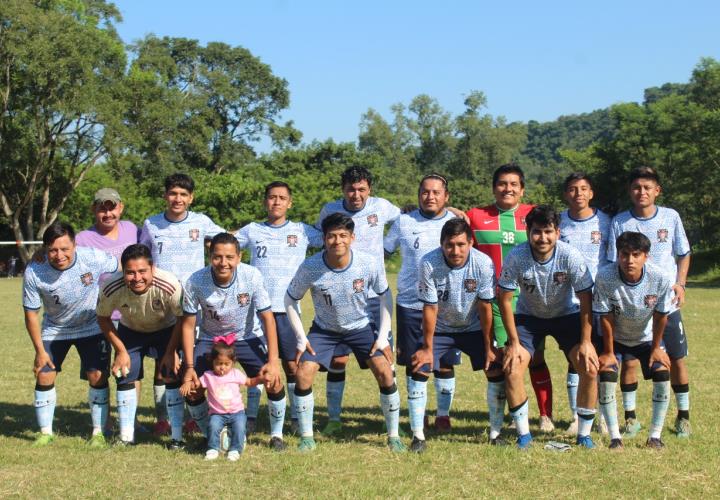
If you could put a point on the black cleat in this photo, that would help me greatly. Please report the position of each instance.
(277, 444)
(616, 444)
(655, 443)
(418, 445)
(498, 441)
(176, 445)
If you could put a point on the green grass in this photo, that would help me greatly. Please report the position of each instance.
(457, 465)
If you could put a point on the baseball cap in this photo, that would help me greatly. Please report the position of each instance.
(107, 194)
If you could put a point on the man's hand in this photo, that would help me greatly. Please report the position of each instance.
(191, 376)
(586, 354)
(270, 372)
(385, 348)
(659, 356)
(422, 356)
(41, 360)
(121, 365)
(492, 355)
(607, 360)
(679, 290)
(299, 352)
(512, 356)
(170, 364)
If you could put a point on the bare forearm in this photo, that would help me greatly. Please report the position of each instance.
(428, 325)
(32, 324)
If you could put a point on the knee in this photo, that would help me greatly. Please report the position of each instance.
(97, 378)
(339, 362)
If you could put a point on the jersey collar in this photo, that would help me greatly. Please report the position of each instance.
(657, 210)
(354, 211)
(228, 285)
(352, 256)
(629, 283)
(594, 214)
(546, 262)
(271, 226)
(187, 214)
(437, 217)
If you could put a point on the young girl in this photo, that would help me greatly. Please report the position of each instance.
(224, 399)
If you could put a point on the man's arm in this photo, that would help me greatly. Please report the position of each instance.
(484, 310)
(425, 354)
(32, 323)
(683, 266)
(513, 349)
(658, 354)
(188, 343)
(586, 351)
(607, 358)
(271, 370)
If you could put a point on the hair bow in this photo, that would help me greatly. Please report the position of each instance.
(228, 339)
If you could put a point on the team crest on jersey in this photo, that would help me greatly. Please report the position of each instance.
(156, 304)
(292, 240)
(470, 285)
(372, 220)
(662, 235)
(358, 285)
(650, 301)
(86, 279)
(243, 299)
(194, 234)
(595, 237)
(560, 277)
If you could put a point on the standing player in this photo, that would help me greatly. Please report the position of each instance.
(66, 286)
(549, 274)
(340, 280)
(231, 299)
(417, 233)
(634, 299)
(587, 229)
(497, 229)
(151, 302)
(277, 248)
(670, 251)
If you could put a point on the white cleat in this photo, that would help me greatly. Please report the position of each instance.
(546, 424)
(572, 429)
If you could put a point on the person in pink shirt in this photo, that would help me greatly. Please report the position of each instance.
(225, 402)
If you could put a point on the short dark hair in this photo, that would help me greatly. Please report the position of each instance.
(455, 227)
(542, 216)
(351, 175)
(58, 230)
(220, 348)
(577, 176)
(337, 221)
(224, 239)
(180, 180)
(136, 251)
(631, 241)
(509, 168)
(277, 184)
(644, 172)
(435, 176)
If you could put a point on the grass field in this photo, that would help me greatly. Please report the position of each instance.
(461, 464)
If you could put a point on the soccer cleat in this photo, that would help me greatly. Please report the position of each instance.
(161, 428)
(632, 427)
(616, 444)
(585, 442)
(682, 428)
(572, 429)
(175, 445)
(655, 443)
(498, 441)
(43, 440)
(418, 445)
(333, 428)
(396, 445)
(191, 427)
(306, 444)
(97, 441)
(277, 444)
(524, 442)
(234, 456)
(546, 424)
(211, 454)
(442, 424)
(251, 426)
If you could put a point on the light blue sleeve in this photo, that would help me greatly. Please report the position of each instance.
(392, 239)
(31, 295)
(243, 236)
(427, 292)
(581, 276)
(611, 250)
(262, 299)
(681, 245)
(191, 304)
(486, 288)
(314, 236)
(300, 283)
(508, 280)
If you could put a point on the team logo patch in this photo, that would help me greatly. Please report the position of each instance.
(243, 299)
(156, 304)
(292, 240)
(560, 277)
(595, 237)
(470, 285)
(372, 220)
(650, 301)
(86, 279)
(662, 235)
(358, 285)
(194, 234)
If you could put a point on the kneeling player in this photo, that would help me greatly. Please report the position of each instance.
(457, 286)
(634, 298)
(340, 281)
(549, 272)
(66, 286)
(150, 301)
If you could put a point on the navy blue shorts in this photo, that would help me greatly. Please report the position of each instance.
(410, 339)
(471, 343)
(674, 337)
(94, 353)
(287, 343)
(140, 345)
(373, 305)
(641, 352)
(325, 344)
(252, 355)
(596, 336)
(533, 330)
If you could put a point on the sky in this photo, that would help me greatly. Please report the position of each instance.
(533, 60)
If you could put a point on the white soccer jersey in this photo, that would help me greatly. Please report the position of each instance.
(278, 251)
(546, 288)
(230, 308)
(370, 224)
(339, 296)
(69, 297)
(178, 247)
(632, 304)
(416, 235)
(456, 290)
(590, 236)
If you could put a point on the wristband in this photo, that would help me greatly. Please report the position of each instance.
(190, 366)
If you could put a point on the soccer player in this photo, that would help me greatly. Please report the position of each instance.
(587, 229)
(497, 229)
(456, 287)
(233, 301)
(277, 248)
(670, 251)
(634, 298)
(150, 300)
(340, 281)
(549, 273)
(66, 286)
(417, 233)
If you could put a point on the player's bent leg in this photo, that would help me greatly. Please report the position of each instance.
(679, 380)
(542, 386)
(496, 404)
(389, 400)
(98, 396)
(334, 391)
(161, 426)
(572, 380)
(175, 409)
(660, 403)
(517, 398)
(305, 403)
(445, 393)
(587, 398)
(45, 402)
(417, 403)
(608, 405)
(290, 369)
(276, 411)
(628, 387)
(127, 407)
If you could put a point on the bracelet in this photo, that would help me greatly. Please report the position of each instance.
(190, 366)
